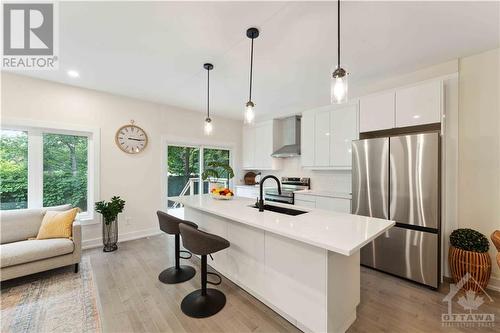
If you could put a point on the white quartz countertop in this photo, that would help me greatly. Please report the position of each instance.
(338, 232)
(330, 194)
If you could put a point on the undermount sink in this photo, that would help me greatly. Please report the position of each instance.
(281, 210)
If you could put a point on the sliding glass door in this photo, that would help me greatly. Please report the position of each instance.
(185, 164)
(183, 171)
(215, 155)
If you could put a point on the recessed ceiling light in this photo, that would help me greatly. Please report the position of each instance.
(416, 116)
(73, 73)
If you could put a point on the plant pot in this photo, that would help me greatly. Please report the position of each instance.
(477, 264)
(110, 235)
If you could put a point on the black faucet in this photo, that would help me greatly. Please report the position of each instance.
(261, 197)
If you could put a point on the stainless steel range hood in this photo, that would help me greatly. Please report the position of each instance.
(290, 138)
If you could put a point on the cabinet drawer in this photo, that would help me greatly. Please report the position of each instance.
(334, 204)
(303, 197)
(303, 203)
(247, 192)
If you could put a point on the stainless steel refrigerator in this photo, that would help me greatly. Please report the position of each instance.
(397, 178)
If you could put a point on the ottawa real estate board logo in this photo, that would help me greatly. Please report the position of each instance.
(29, 36)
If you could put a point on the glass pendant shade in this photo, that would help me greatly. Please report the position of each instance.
(249, 113)
(208, 129)
(339, 86)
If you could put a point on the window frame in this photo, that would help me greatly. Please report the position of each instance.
(35, 131)
(166, 142)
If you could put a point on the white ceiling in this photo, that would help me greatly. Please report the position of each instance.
(155, 50)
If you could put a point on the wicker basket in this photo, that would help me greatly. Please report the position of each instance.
(477, 264)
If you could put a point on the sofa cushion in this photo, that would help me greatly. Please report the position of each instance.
(56, 224)
(32, 250)
(21, 224)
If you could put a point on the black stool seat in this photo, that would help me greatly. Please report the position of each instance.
(178, 273)
(203, 302)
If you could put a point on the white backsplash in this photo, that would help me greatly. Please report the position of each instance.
(325, 180)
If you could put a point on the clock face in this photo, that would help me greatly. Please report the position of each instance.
(131, 139)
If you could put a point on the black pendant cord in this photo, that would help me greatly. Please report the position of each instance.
(251, 72)
(208, 94)
(338, 33)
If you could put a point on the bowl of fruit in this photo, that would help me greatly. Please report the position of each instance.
(222, 194)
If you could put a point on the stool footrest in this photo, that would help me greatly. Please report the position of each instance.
(214, 283)
(185, 252)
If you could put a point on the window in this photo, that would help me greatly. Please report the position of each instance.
(65, 170)
(186, 163)
(41, 167)
(13, 169)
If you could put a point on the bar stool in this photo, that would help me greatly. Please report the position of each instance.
(179, 273)
(203, 302)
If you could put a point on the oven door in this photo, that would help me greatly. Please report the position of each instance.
(276, 197)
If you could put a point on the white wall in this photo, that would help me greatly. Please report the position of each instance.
(479, 146)
(136, 178)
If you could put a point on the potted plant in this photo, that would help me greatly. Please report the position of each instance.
(469, 254)
(214, 172)
(110, 211)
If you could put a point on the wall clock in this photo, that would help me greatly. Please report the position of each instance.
(131, 138)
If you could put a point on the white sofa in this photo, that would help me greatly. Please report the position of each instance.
(20, 256)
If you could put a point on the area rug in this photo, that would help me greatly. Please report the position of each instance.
(52, 301)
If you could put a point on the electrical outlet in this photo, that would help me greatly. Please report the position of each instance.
(127, 220)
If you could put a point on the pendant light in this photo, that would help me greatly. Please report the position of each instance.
(208, 122)
(338, 88)
(252, 33)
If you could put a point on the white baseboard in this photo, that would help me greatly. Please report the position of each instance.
(494, 283)
(97, 242)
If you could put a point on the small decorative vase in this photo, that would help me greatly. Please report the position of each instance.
(477, 264)
(110, 235)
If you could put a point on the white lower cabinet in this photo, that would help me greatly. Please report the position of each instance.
(291, 267)
(334, 204)
(340, 205)
(246, 191)
(289, 276)
(304, 203)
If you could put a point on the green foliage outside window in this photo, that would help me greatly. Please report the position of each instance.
(64, 170)
(13, 170)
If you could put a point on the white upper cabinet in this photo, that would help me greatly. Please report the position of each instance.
(326, 136)
(376, 112)
(307, 140)
(419, 104)
(322, 139)
(248, 147)
(258, 145)
(344, 129)
(264, 146)
(408, 106)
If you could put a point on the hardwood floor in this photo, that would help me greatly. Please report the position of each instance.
(133, 300)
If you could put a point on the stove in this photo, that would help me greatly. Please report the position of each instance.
(288, 186)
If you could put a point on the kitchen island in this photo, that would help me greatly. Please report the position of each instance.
(305, 267)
